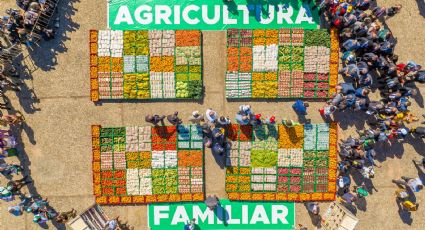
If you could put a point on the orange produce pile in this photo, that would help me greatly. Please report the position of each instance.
(189, 158)
(188, 37)
(291, 138)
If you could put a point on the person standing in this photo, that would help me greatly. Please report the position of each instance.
(196, 118)
(211, 115)
(289, 123)
(64, 217)
(257, 120)
(245, 110)
(223, 121)
(300, 107)
(12, 119)
(7, 169)
(242, 119)
(271, 120)
(174, 119)
(154, 119)
(16, 210)
(16, 185)
(313, 207)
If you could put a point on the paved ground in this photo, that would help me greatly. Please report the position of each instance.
(56, 140)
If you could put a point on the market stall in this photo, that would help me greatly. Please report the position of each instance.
(274, 162)
(147, 164)
(284, 63)
(92, 218)
(154, 64)
(337, 217)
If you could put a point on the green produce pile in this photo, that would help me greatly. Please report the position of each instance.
(263, 158)
(317, 38)
(189, 89)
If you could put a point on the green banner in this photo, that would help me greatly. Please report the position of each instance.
(211, 14)
(229, 215)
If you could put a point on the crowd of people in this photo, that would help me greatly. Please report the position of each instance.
(369, 64)
(12, 190)
(18, 23)
(214, 126)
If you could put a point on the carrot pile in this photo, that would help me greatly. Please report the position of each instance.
(188, 37)
(189, 158)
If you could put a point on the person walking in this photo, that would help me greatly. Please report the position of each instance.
(402, 197)
(37, 204)
(190, 225)
(415, 184)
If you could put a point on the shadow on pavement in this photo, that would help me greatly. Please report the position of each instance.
(421, 7)
(44, 56)
(405, 216)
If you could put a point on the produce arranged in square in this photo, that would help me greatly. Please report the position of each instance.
(147, 164)
(144, 64)
(284, 63)
(274, 162)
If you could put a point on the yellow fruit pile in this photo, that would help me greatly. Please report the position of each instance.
(136, 86)
(264, 89)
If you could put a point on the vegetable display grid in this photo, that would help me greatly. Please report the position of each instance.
(138, 165)
(274, 162)
(284, 63)
(155, 64)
